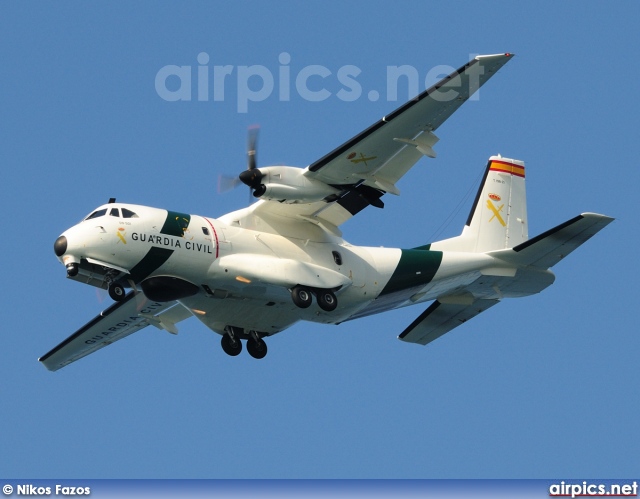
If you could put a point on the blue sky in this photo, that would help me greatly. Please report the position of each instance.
(545, 386)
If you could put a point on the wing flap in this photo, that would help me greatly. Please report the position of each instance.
(440, 318)
(120, 320)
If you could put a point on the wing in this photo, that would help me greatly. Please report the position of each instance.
(440, 318)
(367, 166)
(132, 314)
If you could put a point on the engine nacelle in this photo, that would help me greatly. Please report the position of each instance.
(289, 185)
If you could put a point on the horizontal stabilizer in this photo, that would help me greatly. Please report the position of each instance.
(547, 249)
(118, 321)
(440, 318)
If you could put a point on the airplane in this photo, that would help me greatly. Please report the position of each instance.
(257, 271)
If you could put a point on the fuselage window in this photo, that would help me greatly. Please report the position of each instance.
(115, 212)
(128, 214)
(205, 231)
(337, 257)
(97, 213)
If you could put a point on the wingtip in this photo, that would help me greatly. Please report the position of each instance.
(508, 55)
(48, 367)
(605, 218)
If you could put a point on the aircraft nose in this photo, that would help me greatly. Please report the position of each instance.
(60, 246)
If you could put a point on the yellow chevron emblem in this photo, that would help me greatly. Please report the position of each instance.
(121, 235)
(361, 159)
(496, 212)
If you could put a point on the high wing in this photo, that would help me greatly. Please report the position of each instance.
(123, 318)
(367, 166)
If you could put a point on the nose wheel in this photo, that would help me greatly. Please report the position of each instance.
(116, 292)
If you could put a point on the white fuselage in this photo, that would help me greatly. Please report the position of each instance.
(235, 266)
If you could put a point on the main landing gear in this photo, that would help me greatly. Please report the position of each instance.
(256, 346)
(232, 345)
(302, 297)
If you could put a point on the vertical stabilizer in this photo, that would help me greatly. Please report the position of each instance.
(498, 218)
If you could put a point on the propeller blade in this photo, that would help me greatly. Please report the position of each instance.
(227, 182)
(252, 139)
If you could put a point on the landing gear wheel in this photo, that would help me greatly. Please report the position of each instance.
(231, 346)
(327, 301)
(301, 296)
(257, 349)
(117, 292)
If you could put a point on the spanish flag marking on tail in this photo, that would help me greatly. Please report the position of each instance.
(503, 167)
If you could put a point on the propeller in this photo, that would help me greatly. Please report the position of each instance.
(251, 177)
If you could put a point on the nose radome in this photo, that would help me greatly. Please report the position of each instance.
(60, 246)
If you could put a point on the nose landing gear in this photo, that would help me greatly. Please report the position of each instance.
(116, 291)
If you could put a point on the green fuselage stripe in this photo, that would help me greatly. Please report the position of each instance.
(152, 261)
(175, 224)
(416, 267)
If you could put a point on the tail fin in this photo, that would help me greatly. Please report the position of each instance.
(498, 218)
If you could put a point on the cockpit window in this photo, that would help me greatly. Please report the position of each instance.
(115, 212)
(97, 214)
(128, 214)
